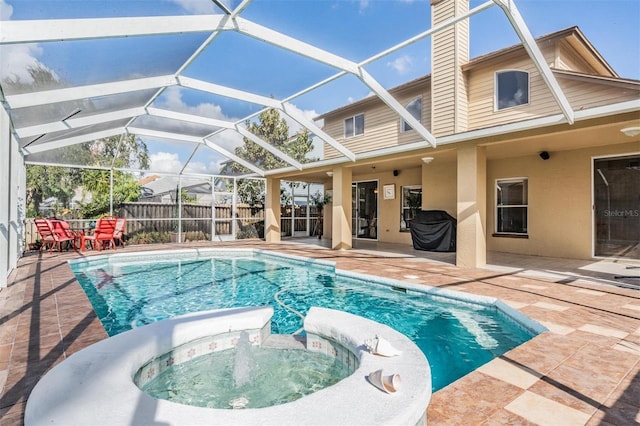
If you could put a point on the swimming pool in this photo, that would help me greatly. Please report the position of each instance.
(457, 332)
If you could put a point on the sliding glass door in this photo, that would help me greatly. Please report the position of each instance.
(616, 195)
(364, 210)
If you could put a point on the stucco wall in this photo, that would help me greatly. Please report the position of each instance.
(439, 186)
(560, 201)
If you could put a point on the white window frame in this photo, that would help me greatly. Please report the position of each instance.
(496, 100)
(498, 207)
(403, 208)
(404, 126)
(353, 121)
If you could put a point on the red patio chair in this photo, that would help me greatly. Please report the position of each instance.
(54, 232)
(103, 233)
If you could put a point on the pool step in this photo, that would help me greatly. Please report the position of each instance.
(285, 341)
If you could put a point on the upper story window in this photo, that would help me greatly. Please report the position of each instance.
(415, 109)
(512, 89)
(512, 206)
(354, 126)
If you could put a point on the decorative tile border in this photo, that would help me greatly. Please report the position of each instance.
(220, 342)
(316, 343)
(195, 349)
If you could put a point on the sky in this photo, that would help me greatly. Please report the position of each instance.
(353, 29)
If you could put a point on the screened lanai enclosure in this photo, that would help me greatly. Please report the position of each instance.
(201, 117)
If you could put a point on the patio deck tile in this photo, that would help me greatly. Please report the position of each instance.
(545, 412)
(586, 368)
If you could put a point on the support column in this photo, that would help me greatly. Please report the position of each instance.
(341, 238)
(272, 211)
(471, 245)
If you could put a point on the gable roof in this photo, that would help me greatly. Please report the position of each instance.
(575, 38)
(573, 35)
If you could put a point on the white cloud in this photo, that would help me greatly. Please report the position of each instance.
(172, 100)
(294, 126)
(196, 6)
(6, 10)
(15, 60)
(169, 162)
(164, 162)
(402, 65)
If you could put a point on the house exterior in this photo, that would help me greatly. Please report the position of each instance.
(512, 170)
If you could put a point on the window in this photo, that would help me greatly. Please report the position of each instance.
(354, 126)
(410, 204)
(512, 206)
(415, 108)
(512, 89)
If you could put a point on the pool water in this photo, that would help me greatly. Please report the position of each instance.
(456, 336)
(277, 376)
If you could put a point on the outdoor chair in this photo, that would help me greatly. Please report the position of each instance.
(54, 232)
(103, 233)
(121, 227)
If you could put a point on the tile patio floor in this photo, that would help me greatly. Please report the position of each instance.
(584, 371)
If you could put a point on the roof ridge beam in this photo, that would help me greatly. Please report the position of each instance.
(228, 92)
(191, 118)
(60, 143)
(227, 125)
(267, 102)
(294, 45)
(45, 97)
(38, 31)
(304, 49)
(74, 123)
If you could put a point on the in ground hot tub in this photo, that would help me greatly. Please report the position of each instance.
(98, 384)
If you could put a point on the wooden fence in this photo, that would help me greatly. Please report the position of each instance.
(158, 222)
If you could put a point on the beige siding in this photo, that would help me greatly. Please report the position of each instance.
(569, 60)
(482, 111)
(583, 95)
(381, 126)
(580, 94)
(462, 109)
(450, 51)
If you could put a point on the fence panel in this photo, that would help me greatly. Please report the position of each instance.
(149, 222)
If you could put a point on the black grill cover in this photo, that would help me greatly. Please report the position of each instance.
(433, 230)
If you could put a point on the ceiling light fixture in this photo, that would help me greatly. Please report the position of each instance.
(427, 160)
(631, 131)
(329, 174)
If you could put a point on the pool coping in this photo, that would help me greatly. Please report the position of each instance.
(96, 386)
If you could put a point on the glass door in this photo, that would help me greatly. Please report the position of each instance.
(364, 210)
(616, 195)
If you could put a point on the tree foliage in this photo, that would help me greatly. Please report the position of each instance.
(274, 130)
(44, 182)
